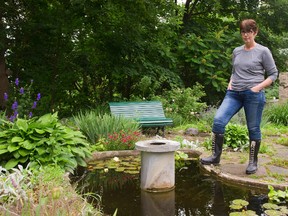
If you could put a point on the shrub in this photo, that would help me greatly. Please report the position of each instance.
(185, 102)
(277, 113)
(42, 141)
(236, 136)
(96, 126)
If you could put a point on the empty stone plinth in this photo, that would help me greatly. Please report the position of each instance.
(157, 164)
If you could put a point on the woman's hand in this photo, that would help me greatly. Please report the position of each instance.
(229, 87)
(255, 89)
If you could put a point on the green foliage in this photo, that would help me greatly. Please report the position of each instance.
(236, 136)
(82, 54)
(277, 113)
(265, 149)
(276, 205)
(277, 196)
(183, 102)
(43, 191)
(42, 141)
(95, 125)
(14, 184)
(180, 159)
(274, 130)
(122, 140)
(239, 204)
(207, 60)
(272, 92)
(208, 115)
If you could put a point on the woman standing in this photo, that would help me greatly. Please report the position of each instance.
(253, 70)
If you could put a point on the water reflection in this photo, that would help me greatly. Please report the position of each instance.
(195, 194)
(161, 204)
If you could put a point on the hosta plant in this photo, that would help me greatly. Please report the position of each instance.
(41, 141)
(236, 137)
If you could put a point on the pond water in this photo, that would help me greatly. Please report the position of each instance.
(195, 193)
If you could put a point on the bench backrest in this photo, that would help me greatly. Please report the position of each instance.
(145, 109)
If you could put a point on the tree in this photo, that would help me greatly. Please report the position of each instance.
(204, 22)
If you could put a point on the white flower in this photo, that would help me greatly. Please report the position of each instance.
(106, 170)
(116, 159)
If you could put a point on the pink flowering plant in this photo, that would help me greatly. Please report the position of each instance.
(19, 103)
(122, 140)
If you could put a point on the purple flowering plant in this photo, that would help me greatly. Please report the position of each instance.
(19, 102)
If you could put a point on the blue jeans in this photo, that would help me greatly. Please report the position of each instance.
(253, 103)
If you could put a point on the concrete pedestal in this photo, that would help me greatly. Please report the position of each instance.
(157, 164)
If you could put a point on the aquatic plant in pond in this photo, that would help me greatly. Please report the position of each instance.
(278, 196)
(19, 102)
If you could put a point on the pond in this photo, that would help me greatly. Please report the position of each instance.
(195, 192)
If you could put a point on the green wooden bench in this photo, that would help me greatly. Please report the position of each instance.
(146, 113)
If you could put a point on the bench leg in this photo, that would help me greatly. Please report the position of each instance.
(163, 131)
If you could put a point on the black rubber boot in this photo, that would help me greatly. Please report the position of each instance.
(217, 144)
(253, 156)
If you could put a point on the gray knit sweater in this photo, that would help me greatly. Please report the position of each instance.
(251, 67)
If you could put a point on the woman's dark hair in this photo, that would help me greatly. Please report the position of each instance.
(247, 25)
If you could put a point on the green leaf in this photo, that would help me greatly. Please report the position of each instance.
(27, 145)
(39, 131)
(11, 163)
(23, 152)
(16, 139)
(3, 146)
(81, 162)
(33, 137)
(16, 154)
(13, 147)
(41, 150)
(3, 134)
(2, 151)
(79, 152)
(22, 124)
(23, 159)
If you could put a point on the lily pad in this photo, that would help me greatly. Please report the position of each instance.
(273, 213)
(284, 210)
(240, 202)
(112, 166)
(132, 172)
(271, 206)
(243, 213)
(119, 169)
(130, 168)
(235, 207)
